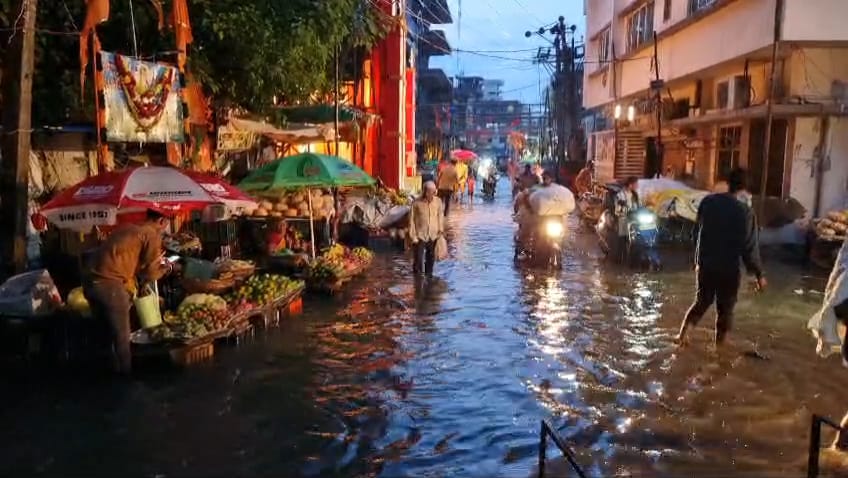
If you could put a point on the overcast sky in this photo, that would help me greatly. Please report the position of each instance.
(495, 28)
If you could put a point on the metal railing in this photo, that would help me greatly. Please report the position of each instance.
(815, 442)
(544, 433)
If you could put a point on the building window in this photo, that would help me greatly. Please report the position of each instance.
(729, 150)
(667, 10)
(696, 6)
(604, 47)
(640, 26)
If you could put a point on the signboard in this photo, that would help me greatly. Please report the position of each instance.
(604, 154)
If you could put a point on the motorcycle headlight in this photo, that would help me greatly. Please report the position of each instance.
(645, 218)
(554, 229)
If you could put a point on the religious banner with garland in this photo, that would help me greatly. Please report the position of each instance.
(142, 101)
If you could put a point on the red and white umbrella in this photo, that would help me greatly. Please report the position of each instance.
(463, 155)
(98, 200)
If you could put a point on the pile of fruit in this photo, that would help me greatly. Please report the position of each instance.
(198, 315)
(232, 269)
(337, 260)
(297, 205)
(834, 226)
(261, 290)
(391, 196)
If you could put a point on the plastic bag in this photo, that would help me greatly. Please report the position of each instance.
(824, 324)
(441, 249)
(29, 294)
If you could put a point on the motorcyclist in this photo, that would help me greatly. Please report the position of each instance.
(546, 200)
(626, 201)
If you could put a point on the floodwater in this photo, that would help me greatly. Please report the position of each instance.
(451, 377)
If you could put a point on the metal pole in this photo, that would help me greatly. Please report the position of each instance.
(815, 441)
(778, 21)
(543, 449)
(659, 145)
(336, 98)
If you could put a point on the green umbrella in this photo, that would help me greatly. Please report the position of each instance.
(306, 170)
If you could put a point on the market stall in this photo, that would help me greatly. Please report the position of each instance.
(826, 237)
(302, 189)
(337, 266)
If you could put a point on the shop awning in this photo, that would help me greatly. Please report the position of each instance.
(292, 134)
(318, 114)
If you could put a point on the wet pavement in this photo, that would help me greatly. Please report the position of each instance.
(450, 377)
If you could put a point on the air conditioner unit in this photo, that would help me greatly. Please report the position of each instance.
(733, 93)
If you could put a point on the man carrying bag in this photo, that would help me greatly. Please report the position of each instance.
(426, 229)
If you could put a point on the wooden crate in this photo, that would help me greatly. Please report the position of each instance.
(192, 354)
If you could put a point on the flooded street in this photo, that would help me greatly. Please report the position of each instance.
(450, 377)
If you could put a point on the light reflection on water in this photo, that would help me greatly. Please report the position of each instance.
(450, 377)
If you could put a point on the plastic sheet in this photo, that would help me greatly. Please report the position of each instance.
(824, 324)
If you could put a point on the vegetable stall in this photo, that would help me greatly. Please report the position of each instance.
(305, 188)
(204, 300)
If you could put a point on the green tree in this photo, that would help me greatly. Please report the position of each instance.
(245, 52)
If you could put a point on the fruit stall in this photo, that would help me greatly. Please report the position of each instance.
(337, 266)
(188, 334)
(826, 237)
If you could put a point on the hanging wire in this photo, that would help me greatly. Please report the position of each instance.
(134, 37)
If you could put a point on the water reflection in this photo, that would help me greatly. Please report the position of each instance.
(410, 377)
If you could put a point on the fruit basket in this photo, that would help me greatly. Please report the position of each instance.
(209, 286)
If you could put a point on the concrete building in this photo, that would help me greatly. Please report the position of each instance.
(714, 58)
(492, 90)
(433, 88)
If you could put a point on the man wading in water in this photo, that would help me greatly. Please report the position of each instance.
(725, 234)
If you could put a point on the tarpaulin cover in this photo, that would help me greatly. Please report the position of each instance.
(824, 324)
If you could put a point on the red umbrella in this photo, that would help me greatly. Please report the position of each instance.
(463, 155)
(98, 200)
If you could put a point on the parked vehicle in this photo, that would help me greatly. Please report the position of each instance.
(638, 247)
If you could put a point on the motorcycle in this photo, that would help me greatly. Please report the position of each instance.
(489, 183)
(638, 247)
(543, 247)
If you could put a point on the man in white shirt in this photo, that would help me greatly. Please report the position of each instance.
(426, 225)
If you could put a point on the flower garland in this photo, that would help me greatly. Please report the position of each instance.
(146, 107)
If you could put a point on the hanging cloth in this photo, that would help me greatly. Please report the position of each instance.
(182, 30)
(97, 12)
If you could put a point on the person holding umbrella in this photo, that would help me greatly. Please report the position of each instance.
(133, 251)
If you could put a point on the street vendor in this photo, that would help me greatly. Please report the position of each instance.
(275, 240)
(132, 252)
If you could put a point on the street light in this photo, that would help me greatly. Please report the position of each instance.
(631, 113)
(617, 113)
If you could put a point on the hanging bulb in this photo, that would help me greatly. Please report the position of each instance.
(631, 113)
(617, 113)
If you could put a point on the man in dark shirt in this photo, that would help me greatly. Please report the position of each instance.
(725, 234)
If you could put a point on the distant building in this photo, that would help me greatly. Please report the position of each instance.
(715, 57)
(492, 90)
(433, 88)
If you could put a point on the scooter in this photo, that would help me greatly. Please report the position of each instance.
(639, 246)
(489, 183)
(544, 245)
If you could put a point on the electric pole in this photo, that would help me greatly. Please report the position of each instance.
(17, 129)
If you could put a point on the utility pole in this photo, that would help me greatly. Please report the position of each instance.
(17, 129)
(560, 93)
(778, 23)
(657, 86)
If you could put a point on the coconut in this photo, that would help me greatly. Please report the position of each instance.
(276, 214)
(291, 213)
(317, 194)
(261, 212)
(267, 205)
(298, 197)
(329, 200)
